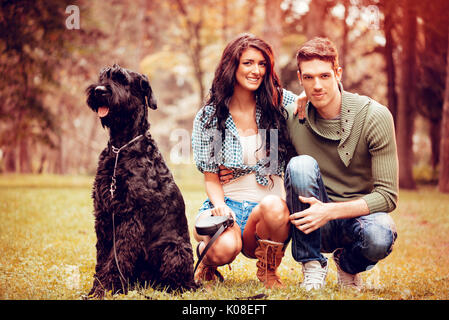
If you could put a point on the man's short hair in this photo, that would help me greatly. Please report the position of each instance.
(318, 48)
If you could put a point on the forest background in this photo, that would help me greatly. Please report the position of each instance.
(394, 51)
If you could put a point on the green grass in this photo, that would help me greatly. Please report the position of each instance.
(47, 244)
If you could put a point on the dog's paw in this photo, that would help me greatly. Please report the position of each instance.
(95, 293)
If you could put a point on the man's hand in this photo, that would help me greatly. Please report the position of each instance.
(225, 174)
(314, 217)
(301, 103)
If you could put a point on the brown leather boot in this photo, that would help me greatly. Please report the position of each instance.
(269, 255)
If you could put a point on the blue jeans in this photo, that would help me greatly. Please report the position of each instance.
(364, 240)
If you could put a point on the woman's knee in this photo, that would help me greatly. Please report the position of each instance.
(225, 249)
(274, 210)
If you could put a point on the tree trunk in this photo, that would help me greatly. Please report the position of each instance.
(434, 135)
(86, 164)
(272, 32)
(225, 26)
(40, 170)
(443, 183)
(433, 73)
(139, 25)
(24, 156)
(193, 43)
(59, 157)
(406, 107)
(344, 46)
(251, 5)
(10, 159)
(343, 55)
(315, 19)
(389, 60)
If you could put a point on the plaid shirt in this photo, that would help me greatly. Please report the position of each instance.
(207, 153)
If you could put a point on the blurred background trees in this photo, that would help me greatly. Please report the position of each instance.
(394, 51)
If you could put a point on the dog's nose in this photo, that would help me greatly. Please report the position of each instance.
(100, 90)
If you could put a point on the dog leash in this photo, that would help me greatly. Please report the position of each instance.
(112, 189)
(122, 277)
(222, 228)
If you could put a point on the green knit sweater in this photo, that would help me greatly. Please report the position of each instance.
(356, 153)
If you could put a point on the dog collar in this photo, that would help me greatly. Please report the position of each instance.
(116, 150)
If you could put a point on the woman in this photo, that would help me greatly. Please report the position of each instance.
(237, 129)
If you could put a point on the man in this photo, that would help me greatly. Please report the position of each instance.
(344, 182)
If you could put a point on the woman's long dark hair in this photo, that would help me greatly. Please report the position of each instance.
(268, 95)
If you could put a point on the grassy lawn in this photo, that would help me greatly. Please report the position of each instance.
(47, 244)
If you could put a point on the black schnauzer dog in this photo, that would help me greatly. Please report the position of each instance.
(140, 221)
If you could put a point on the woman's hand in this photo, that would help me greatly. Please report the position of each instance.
(214, 191)
(223, 210)
(301, 103)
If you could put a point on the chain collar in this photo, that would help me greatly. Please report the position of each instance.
(116, 150)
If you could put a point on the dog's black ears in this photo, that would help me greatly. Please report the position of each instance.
(150, 100)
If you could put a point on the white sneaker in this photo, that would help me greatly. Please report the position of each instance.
(346, 280)
(314, 275)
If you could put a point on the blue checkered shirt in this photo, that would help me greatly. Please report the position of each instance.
(205, 140)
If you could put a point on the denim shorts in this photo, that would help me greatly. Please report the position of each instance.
(242, 210)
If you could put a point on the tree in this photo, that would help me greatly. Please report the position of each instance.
(443, 183)
(392, 97)
(315, 18)
(407, 98)
(272, 32)
(193, 22)
(31, 47)
(432, 69)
